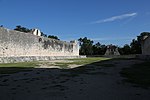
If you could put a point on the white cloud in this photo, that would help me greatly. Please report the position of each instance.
(120, 17)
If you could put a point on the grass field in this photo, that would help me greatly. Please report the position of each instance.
(20, 64)
(138, 74)
(82, 61)
(8, 68)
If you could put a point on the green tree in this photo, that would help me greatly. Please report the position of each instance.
(26, 30)
(136, 43)
(86, 46)
(135, 47)
(44, 35)
(125, 50)
(53, 37)
(140, 37)
(22, 29)
(103, 49)
(99, 49)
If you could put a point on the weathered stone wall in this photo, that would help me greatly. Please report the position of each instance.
(146, 46)
(19, 44)
(35, 58)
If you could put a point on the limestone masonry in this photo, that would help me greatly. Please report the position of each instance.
(146, 45)
(112, 50)
(20, 44)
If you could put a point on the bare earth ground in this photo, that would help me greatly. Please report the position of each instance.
(82, 83)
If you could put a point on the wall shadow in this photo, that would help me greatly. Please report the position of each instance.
(26, 83)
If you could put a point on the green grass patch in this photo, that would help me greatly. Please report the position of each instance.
(138, 74)
(89, 60)
(20, 64)
(80, 61)
(10, 68)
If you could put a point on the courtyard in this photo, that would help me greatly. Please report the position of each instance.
(92, 78)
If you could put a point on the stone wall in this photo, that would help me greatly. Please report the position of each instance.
(146, 46)
(20, 44)
(112, 50)
(35, 58)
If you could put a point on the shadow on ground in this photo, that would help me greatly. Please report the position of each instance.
(90, 81)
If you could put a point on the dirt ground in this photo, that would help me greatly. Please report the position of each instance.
(86, 82)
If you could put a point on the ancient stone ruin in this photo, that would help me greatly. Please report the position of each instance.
(36, 32)
(34, 46)
(112, 50)
(145, 45)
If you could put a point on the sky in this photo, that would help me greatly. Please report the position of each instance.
(106, 21)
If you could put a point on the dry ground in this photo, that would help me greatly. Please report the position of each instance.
(95, 81)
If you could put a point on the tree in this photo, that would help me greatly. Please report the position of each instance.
(53, 37)
(136, 44)
(103, 49)
(26, 30)
(44, 35)
(135, 47)
(125, 50)
(86, 46)
(140, 37)
(99, 49)
(22, 29)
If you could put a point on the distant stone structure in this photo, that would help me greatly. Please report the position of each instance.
(145, 45)
(19, 44)
(112, 50)
(36, 32)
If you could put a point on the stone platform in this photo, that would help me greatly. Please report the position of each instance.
(35, 58)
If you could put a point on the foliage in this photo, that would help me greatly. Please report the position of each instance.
(135, 47)
(50, 36)
(26, 30)
(44, 35)
(140, 37)
(136, 44)
(125, 50)
(99, 49)
(22, 29)
(85, 46)
(53, 37)
(88, 48)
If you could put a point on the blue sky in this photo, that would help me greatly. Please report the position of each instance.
(105, 21)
